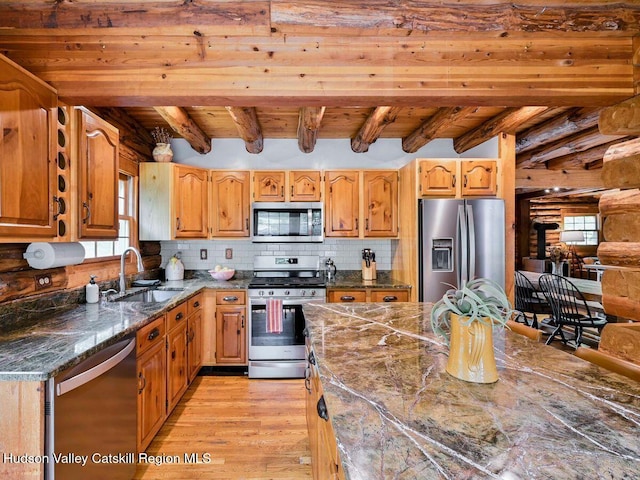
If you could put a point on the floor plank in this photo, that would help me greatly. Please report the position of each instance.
(251, 429)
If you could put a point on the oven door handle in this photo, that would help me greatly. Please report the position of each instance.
(300, 301)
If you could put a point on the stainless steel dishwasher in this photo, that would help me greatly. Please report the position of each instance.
(91, 417)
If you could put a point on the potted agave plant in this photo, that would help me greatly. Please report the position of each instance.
(466, 317)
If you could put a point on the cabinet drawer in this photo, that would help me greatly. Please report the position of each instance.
(347, 296)
(176, 315)
(230, 297)
(394, 295)
(149, 335)
(194, 304)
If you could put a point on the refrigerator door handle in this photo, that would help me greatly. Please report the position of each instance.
(461, 241)
(472, 243)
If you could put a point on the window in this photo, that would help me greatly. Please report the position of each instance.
(588, 224)
(126, 230)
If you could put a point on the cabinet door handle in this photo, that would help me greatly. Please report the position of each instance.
(153, 334)
(142, 378)
(246, 222)
(282, 190)
(242, 324)
(178, 226)
(390, 298)
(179, 316)
(453, 180)
(366, 224)
(231, 298)
(347, 298)
(196, 304)
(357, 224)
(86, 205)
(465, 180)
(322, 409)
(61, 208)
(173, 355)
(292, 190)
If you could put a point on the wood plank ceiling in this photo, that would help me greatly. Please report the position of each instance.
(415, 70)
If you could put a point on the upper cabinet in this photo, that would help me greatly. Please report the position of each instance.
(457, 178)
(27, 154)
(379, 207)
(97, 159)
(291, 186)
(174, 201)
(342, 203)
(479, 177)
(380, 203)
(230, 204)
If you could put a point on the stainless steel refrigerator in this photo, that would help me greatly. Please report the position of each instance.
(459, 240)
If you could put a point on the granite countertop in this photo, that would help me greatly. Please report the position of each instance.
(398, 415)
(64, 335)
(353, 279)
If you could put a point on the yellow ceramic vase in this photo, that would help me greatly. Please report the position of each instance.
(471, 356)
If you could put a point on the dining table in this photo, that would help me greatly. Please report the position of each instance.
(590, 289)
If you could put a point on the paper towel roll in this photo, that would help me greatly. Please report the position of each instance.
(43, 255)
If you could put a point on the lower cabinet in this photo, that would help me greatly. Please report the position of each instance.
(152, 380)
(231, 327)
(325, 458)
(169, 355)
(346, 295)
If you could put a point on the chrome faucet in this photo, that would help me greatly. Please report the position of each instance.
(123, 283)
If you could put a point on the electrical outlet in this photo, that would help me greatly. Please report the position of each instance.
(43, 281)
(228, 253)
(203, 254)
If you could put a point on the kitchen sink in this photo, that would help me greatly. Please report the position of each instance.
(150, 296)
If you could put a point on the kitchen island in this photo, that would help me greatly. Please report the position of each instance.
(397, 414)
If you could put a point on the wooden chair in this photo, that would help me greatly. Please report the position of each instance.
(569, 307)
(522, 329)
(529, 301)
(610, 362)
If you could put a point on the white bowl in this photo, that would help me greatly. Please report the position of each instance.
(222, 274)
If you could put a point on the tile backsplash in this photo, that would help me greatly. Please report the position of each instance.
(347, 254)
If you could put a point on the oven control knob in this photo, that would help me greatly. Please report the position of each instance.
(303, 293)
(313, 293)
(286, 292)
(261, 293)
(270, 292)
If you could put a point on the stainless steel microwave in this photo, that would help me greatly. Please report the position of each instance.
(277, 222)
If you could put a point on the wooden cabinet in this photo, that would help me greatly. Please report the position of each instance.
(348, 295)
(325, 457)
(437, 177)
(152, 381)
(380, 203)
(479, 177)
(97, 159)
(342, 203)
(27, 154)
(174, 201)
(230, 204)
(304, 186)
(440, 178)
(290, 186)
(177, 373)
(231, 336)
(269, 186)
(194, 335)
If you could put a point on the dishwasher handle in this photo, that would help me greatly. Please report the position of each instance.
(88, 375)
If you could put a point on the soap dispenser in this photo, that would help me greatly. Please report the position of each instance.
(92, 291)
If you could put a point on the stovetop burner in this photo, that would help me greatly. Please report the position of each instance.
(287, 282)
(302, 271)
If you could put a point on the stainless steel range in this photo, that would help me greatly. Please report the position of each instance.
(280, 286)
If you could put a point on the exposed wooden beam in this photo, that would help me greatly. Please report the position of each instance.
(246, 120)
(373, 127)
(621, 119)
(621, 167)
(467, 16)
(309, 120)
(507, 122)
(570, 122)
(181, 123)
(441, 120)
(122, 17)
(579, 142)
(542, 178)
(591, 158)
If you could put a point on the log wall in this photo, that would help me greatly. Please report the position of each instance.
(620, 213)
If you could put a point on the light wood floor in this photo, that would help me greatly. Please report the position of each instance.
(252, 429)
